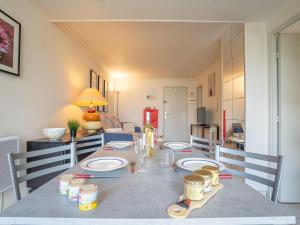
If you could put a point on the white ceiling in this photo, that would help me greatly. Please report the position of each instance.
(293, 29)
(203, 10)
(156, 49)
(138, 37)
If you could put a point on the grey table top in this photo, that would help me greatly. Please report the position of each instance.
(143, 199)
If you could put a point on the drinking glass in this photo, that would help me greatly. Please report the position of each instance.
(166, 157)
(141, 153)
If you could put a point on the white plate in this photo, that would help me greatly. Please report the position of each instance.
(101, 164)
(192, 164)
(177, 145)
(120, 144)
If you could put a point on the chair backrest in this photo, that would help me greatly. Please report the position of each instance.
(18, 163)
(203, 143)
(237, 128)
(7, 145)
(89, 144)
(108, 137)
(225, 155)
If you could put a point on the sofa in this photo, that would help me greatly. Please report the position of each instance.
(114, 130)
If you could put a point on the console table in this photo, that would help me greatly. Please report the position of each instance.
(43, 143)
(213, 128)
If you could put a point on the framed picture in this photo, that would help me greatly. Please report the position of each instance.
(103, 88)
(93, 79)
(105, 91)
(100, 84)
(99, 88)
(211, 85)
(10, 36)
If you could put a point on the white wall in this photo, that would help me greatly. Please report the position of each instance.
(213, 104)
(283, 18)
(133, 92)
(257, 90)
(260, 78)
(53, 73)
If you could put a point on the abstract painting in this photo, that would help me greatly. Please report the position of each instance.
(10, 35)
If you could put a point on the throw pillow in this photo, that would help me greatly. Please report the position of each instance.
(128, 127)
(113, 130)
(110, 121)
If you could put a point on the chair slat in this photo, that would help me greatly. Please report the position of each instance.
(87, 150)
(252, 155)
(41, 162)
(25, 155)
(277, 180)
(14, 176)
(99, 137)
(200, 145)
(87, 144)
(251, 177)
(194, 138)
(43, 172)
(249, 165)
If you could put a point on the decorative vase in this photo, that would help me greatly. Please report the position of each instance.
(91, 126)
(73, 133)
(95, 116)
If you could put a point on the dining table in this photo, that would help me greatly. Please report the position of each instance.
(143, 198)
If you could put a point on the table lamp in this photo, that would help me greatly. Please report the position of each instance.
(91, 97)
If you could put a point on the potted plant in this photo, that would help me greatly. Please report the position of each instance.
(73, 126)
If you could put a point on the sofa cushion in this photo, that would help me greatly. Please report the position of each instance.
(110, 121)
(113, 130)
(128, 127)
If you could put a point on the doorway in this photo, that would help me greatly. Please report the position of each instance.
(175, 114)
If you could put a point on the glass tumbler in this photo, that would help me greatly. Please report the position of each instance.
(141, 153)
(167, 157)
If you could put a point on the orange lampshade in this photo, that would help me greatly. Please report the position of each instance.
(90, 97)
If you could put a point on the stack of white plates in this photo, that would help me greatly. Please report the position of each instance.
(119, 144)
(192, 164)
(177, 145)
(101, 164)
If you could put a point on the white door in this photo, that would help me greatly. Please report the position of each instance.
(289, 115)
(175, 115)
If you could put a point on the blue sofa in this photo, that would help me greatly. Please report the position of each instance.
(108, 137)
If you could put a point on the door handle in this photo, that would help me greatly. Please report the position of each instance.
(166, 115)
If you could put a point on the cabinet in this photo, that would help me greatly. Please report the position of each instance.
(208, 131)
(43, 143)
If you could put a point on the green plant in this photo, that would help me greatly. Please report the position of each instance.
(73, 124)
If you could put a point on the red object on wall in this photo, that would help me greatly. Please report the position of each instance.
(153, 117)
(224, 125)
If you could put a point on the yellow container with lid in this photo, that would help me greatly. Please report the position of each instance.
(88, 197)
(207, 175)
(193, 187)
(215, 174)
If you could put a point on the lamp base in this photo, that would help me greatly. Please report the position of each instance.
(91, 115)
(91, 126)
